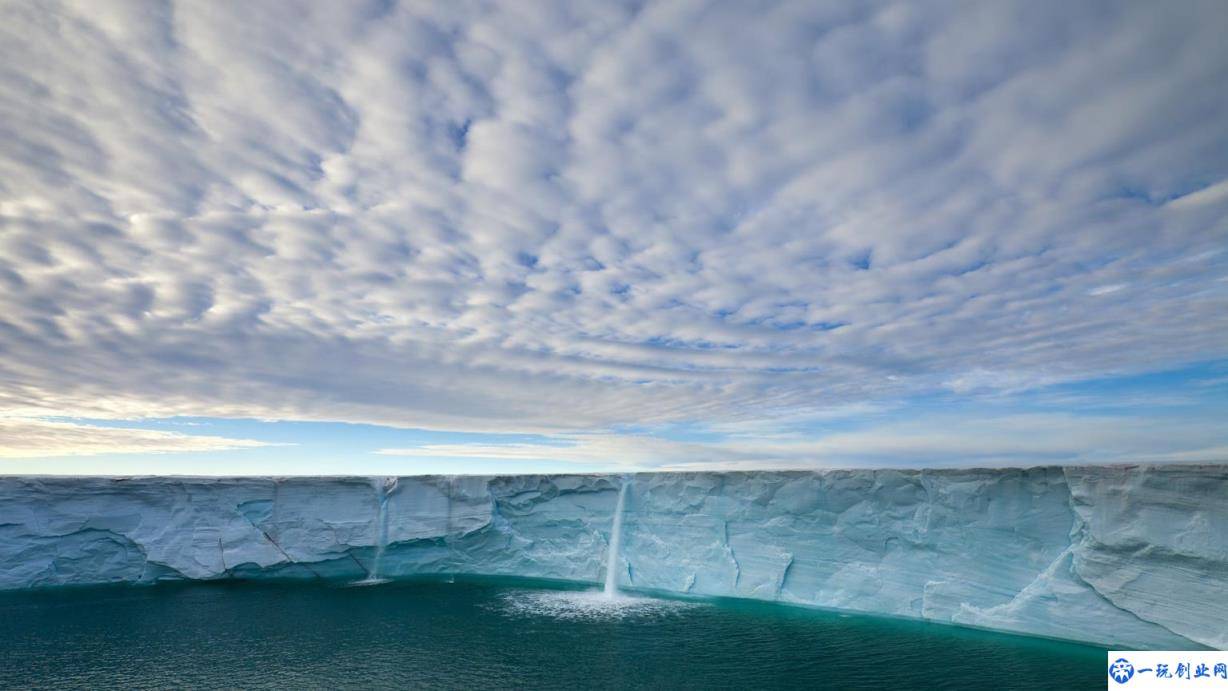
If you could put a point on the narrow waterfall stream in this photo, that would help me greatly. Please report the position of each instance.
(383, 488)
(615, 548)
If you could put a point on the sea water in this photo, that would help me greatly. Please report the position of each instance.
(493, 634)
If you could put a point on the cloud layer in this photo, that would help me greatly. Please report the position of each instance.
(33, 438)
(931, 441)
(569, 216)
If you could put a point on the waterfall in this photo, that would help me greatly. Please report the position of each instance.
(616, 539)
(383, 488)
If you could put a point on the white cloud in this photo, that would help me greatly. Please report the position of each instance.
(927, 440)
(569, 216)
(1208, 195)
(34, 438)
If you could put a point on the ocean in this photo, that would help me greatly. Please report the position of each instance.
(491, 633)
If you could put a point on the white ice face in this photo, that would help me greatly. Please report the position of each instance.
(1135, 556)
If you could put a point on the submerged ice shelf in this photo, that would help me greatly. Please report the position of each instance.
(1132, 556)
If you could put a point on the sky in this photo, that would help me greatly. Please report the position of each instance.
(473, 237)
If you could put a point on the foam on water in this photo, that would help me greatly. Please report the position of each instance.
(587, 604)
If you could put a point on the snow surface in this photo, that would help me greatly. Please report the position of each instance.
(1129, 556)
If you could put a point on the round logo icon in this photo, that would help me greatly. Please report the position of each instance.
(1121, 670)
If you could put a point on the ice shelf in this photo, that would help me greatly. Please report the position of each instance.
(1128, 556)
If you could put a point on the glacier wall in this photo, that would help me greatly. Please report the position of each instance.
(1128, 556)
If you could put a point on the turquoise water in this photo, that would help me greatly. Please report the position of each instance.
(492, 635)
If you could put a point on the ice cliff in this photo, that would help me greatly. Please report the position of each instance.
(1130, 556)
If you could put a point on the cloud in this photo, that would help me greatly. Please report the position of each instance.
(627, 451)
(1208, 195)
(33, 438)
(572, 216)
(933, 440)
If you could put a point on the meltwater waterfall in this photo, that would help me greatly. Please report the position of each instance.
(383, 487)
(616, 538)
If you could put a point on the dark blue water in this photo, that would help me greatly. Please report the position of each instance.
(492, 635)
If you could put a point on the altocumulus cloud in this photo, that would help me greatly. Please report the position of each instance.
(558, 217)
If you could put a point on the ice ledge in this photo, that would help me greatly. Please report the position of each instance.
(1132, 556)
